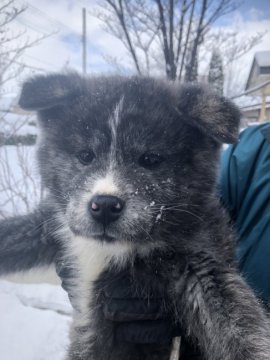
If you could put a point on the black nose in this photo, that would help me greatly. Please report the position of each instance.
(106, 208)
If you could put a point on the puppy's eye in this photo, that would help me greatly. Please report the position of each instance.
(85, 156)
(150, 160)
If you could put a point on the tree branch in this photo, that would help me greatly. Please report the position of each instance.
(119, 11)
(187, 39)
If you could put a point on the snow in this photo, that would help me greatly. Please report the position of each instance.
(159, 215)
(19, 124)
(35, 321)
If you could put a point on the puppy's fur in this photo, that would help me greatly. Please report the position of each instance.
(156, 146)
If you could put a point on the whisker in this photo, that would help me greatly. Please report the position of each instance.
(189, 212)
(147, 233)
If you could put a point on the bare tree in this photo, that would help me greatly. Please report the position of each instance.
(216, 75)
(13, 44)
(232, 46)
(173, 29)
(19, 190)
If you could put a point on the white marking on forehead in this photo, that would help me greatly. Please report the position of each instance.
(114, 122)
(116, 117)
(106, 185)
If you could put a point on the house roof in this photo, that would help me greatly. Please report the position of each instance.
(261, 59)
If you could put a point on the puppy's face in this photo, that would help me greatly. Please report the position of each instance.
(127, 159)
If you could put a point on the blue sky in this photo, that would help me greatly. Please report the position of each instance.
(263, 7)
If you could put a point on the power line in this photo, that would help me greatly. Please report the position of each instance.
(52, 20)
(26, 20)
(29, 66)
(30, 26)
(29, 19)
(40, 61)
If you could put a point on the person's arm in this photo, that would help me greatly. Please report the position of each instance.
(27, 242)
(245, 191)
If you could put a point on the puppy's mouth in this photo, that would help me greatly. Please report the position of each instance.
(97, 235)
(104, 237)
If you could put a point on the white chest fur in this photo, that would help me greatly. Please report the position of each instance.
(91, 258)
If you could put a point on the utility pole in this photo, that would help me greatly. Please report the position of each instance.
(84, 41)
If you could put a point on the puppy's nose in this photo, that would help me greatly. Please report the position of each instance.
(106, 208)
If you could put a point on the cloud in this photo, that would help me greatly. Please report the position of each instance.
(255, 14)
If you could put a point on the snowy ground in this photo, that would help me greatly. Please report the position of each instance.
(34, 322)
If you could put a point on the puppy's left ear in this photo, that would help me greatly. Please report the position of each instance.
(46, 91)
(214, 115)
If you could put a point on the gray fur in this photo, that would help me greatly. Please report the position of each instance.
(173, 238)
(27, 241)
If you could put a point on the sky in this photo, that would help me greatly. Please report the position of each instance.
(62, 49)
(256, 10)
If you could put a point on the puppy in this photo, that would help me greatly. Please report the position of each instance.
(130, 165)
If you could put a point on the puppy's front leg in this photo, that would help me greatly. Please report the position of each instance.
(221, 313)
(93, 339)
(28, 241)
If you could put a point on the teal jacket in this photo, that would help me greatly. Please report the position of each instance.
(245, 190)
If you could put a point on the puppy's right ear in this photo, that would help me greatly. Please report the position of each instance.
(44, 92)
(214, 115)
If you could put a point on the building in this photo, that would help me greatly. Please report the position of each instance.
(258, 84)
(251, 113)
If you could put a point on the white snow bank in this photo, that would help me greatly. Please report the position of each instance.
(35, 322)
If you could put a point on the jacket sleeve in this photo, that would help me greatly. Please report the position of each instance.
(245, 191)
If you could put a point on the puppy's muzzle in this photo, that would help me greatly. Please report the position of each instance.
(106, 208)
